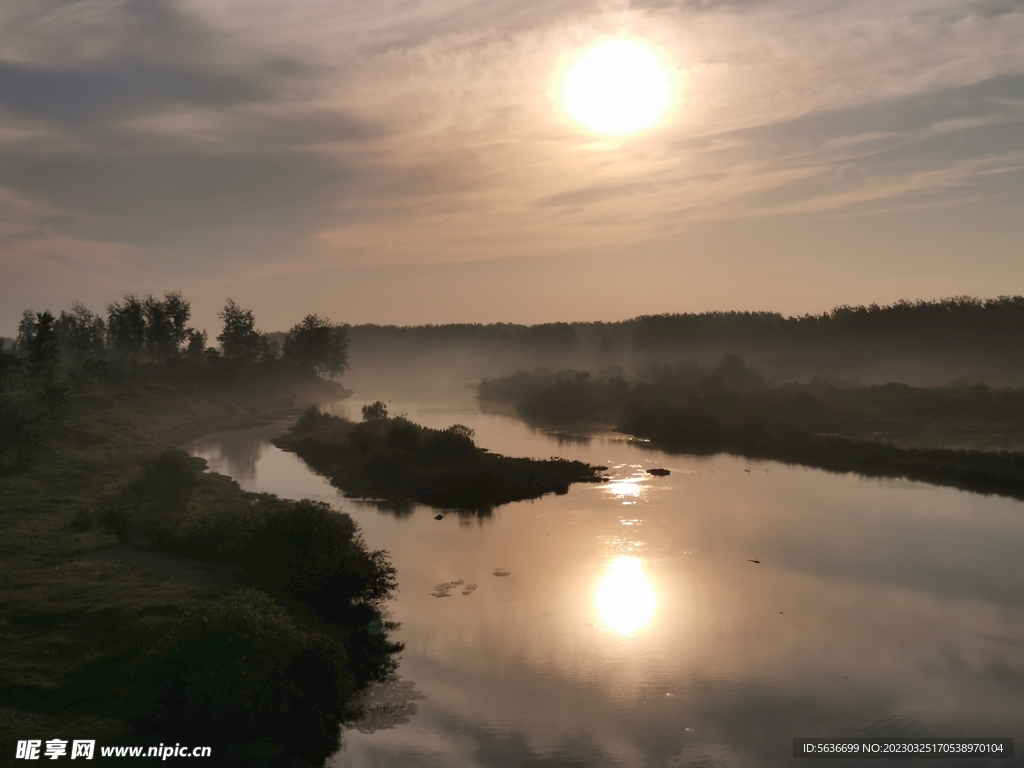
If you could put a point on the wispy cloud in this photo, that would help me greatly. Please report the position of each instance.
(244, 134)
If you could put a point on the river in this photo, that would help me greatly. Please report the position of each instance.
(625, 624)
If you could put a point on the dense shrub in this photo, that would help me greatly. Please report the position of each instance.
(300, 551)
(298, 547)
(240, 675)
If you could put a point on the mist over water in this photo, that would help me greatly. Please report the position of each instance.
(624, 624)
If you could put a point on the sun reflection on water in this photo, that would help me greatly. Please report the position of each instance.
(623, 489)
(625, 596)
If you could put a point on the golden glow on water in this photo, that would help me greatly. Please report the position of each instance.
(566, 638)
(623, 489)
(617, 86)
(625, 597)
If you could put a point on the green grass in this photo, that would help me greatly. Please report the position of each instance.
(64, 608)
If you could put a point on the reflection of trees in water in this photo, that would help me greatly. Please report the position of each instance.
(403, 509)
(400, 509)
(235, 454)
(569, 439)
(386, 704)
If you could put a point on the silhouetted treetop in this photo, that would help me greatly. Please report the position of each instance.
(81, 333)
(318, 345)
(37, 341)
(126, 327)
(240, 339)
(375, 411)
(166, 324)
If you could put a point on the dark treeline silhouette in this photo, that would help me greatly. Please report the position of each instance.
(149, 330)
(56, 357)
(397, 461)
(962, 320)
(923, 342)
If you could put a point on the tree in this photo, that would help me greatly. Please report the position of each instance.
(26, 330)
(196, 349)
(81, 334)
(166, 328)
(8, 366)
(240, 339)
(461, 430)
(126, 327)
(376, 411)
(37, 341)
(316, 344)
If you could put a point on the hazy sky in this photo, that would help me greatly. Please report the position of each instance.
(408, 161)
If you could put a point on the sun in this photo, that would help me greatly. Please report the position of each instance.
(617, 86)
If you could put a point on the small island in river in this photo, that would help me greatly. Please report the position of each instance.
(393, 459)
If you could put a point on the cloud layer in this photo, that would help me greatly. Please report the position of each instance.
(151, 143)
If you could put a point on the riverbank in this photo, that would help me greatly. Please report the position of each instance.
(733, 410)
(71, 607)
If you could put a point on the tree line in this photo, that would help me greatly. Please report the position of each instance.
(961, 322)
(146, 330)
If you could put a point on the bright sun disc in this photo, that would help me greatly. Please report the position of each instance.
(625, 597)
(617, 86)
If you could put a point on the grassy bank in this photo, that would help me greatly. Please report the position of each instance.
(89, 637)
(400, 462)
(889, 430)
(686, 430)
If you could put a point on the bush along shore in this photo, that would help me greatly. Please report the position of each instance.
(268, 672)
(732, 409)
(394, 460)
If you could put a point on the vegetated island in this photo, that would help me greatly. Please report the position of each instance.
(821, 424)
(394, 460)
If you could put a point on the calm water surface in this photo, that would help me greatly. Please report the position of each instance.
(623, 624)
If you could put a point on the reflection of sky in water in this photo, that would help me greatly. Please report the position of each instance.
(878, 607)
(257, 465)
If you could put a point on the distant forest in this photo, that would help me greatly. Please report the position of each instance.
(922, 342)
(962, 319)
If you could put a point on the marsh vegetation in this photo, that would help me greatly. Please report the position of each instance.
(395, 460)
(882, 430)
